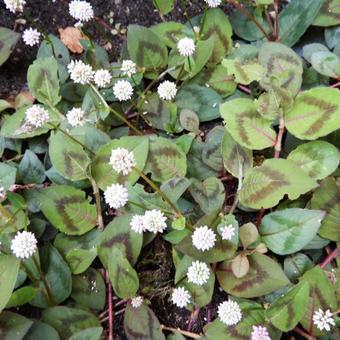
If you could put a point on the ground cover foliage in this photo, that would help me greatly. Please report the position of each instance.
(215, 139)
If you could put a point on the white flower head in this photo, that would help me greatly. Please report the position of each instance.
(198, 273)
(36, 116)
(122, 160)
(2, 193)
(260, 333)
(154, 221)
(213, 3)
(180, 297)
(15, 5)
(76, 117)
(186, 47)
(102, 78)
(80, 72)
(81, 10)
(137, 224)
(128, 68)
(203, 238)
(31, 36)
(227, 232)
(323, 320)
(136, 302)
(116, 196)
(229, 312)
(167, 90)
(24, 245)
(123, 90)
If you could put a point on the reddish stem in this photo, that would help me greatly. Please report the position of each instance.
(303, 333)
(244, 89)
(193, 318)
(278, 144)
(110, 307)
(335, 85)
(334, 254)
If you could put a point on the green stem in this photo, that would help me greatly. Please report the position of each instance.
(184, 10)
(98, 204)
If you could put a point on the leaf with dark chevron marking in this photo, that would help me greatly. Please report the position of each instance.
(329, 14)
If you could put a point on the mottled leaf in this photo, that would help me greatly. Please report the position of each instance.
(329, 14)
(8, 39)
(13, 326)
(7, 175)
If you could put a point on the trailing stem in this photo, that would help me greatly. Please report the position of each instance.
(98, 204)
(333, 255)
(185, 333)
(278, 145)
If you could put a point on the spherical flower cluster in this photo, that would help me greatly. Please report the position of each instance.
(136, 302)
(167, 90)
(31, 36)
(323, 320)
(15, 5)
(128, 68)
(24, 245)
(36, 116)
(122, 160)
(137, 224)
(203, 238)
(154, 221)
(227, 232)
(186, 47)
(81, 10)
(116, 196)
(180, 297)
(198, 273)
(123, 90)
(80, 72)
(213, 3)
(75, 117)
(102, 78)
(229, 312)
(260, 333)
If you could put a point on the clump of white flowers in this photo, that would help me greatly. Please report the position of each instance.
(198, 273)
(136, 302)
(24, 245)
(31, 36)
(229, 312)
(36, 116)
(80, 72)
(102, 78)
(2, 194)
(116, 196)
(186, 47)
(122, 160)
(154, 221)
(128, 68)
(203, 238)
(15, 5)
(227, 232)
(123, 90)
(137, 224)
(213, 3)
(323, 320)
(81, 10)
(167, 90)
(180, 297)
(75, 117)
(260, 333)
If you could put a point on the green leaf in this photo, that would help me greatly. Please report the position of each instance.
(142, 323)
(329, 14)
(264, 276)
(236, 158)
(21, 296)
(13, 326)
(57, 275)
(166, 160)
(93, 333)
(283, 64)
(68, 157)
(43, 81)
(248, 234)
(67, 209)
(7, 175)
(318, 109)
(189, 121)
(318, 159)
(296, 265)
(266, 185)
(68, 321)
(326, 63)
(7, 42)
(211, 153)
(164, 6)
(216, 24)
(240, 265)
(290, 230)
(245, 124)
(286, 312)
(175, 188)
(327, 198)
(88, 290)
(332, 36)
(31, 170)
(103, 172)
(309, 49)
(295, 18)
(169, 32)
(9, 268)
(145, 48)
(209, 194)
(41, 331)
